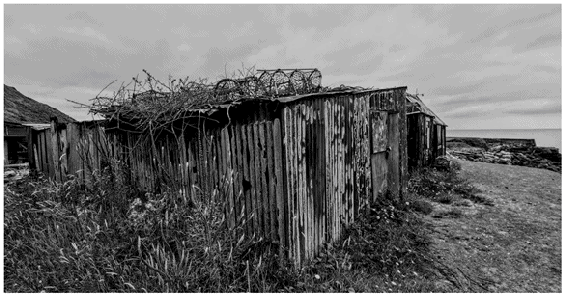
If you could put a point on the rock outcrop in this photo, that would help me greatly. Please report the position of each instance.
(511, 153)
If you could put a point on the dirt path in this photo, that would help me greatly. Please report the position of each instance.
(512, 246)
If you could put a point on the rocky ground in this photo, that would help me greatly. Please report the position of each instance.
(477, 150)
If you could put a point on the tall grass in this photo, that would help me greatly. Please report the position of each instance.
(60, 238)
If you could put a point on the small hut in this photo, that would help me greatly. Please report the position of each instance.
(426, 133)
(295, 161)
(300, 160)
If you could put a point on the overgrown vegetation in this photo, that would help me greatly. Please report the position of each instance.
(444, 186)
(61, 238)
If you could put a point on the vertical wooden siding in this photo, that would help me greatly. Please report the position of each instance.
(326, 148)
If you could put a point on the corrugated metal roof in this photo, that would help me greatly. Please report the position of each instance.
(414, 99)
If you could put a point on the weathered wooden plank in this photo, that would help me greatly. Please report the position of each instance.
(199, 166)
(184, 167)
(279, 189)
(340, 173)
(202, 161)
(211, 159)
(191, 169)
(31, 159)
(227, 162)
(321, 176)
(315, 132)
(312, 167)
(239, 167)
(288, 182)
(88, 144)
(40, 148)
(55, 173)
(307, 235)
(304, 181)
(271, 182)
(264, 186)
(252, 182)
(46, 148)
(63, 154)
(330, 169)
(246, 181)
(367, 151)
(336, 171)
(306, 185)
(327, 170)
(341, 169)
(293, 143)
(212, 163)
(311, 163)
(347, 158)
(258, 180)
(347, 149)
(403, 171)
(297, 188)
(236, 186)
(222, 167)
(393, 159)
(301, 181)
(353, 145)
(219, 167)
(95, 152)
(292, 189)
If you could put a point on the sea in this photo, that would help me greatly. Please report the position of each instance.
(543, 137)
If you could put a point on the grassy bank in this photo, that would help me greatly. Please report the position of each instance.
(59, 238)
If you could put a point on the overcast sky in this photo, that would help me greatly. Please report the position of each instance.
(479, 66)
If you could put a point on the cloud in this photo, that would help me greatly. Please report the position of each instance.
(86, 32)
(184, 47)
(33, 28)
(82, 16)
(511, 54)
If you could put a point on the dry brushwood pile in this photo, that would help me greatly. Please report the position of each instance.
(150, 103)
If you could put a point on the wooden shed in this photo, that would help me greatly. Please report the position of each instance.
(298, 168)
(426, 133)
